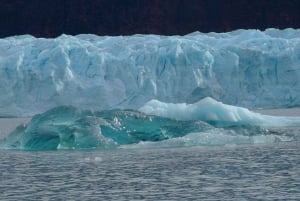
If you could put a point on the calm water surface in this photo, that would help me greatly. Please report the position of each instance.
(248, 172)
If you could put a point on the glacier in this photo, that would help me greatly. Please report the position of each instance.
(249, 68)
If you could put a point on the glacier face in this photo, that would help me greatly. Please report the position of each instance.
(248, 68)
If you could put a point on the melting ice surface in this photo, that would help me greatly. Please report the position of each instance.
(157, 124)
(247, 68)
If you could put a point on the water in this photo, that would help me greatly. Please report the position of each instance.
(246, 172)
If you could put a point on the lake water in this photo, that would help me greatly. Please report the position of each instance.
(234, 172)
(254, 172)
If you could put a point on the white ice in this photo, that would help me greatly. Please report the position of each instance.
(216, 113)
(247, 68)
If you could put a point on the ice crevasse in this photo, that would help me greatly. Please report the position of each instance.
(248, 68)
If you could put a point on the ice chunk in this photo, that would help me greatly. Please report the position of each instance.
(216, 113)
(71, 128)
(217, 137)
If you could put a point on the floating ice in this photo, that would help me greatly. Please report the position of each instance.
(204, 123)
(215, 137)
(70, 128)
(246, 67)
(216, 113)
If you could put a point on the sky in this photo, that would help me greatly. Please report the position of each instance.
(51, 18)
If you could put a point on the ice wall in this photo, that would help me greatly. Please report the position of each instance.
(247, 68)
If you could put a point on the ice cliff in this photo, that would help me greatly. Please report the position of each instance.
(247, 68)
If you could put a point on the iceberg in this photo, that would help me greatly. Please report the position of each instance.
(157, 124)
(66, 127)
(216, 113)
(248, 68)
